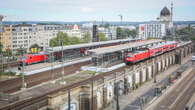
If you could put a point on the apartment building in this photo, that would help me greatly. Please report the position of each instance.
(25, 35)
(110, 33)
(6, 38)
(152, 30)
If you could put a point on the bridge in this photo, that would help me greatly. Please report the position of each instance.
(95, 91)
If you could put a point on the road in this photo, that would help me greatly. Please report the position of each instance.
(179, 96)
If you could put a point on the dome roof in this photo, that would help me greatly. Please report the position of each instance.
(165, 12)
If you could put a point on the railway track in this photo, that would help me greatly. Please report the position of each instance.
(43, 97)
(13, 85)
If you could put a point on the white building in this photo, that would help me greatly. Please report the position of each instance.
(110, 32)
(152, 30)
(26, 35)
(73, 30)
(23, 36)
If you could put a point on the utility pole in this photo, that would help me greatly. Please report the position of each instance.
(92, 95)
(69, 100)
(51, 58)
(22, 70)
(62, 56)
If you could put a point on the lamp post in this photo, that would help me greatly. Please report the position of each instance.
(62, 57)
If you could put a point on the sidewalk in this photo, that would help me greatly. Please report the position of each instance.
(125, 100)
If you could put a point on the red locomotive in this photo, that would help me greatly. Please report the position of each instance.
(139, 55)
(33, 58)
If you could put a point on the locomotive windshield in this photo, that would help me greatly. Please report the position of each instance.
(23, 58)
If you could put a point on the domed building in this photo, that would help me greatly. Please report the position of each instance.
(166, 18)
(165, 14)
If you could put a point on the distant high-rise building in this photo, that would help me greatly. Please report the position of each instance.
(95, 34)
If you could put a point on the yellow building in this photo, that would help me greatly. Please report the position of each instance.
(6, 38)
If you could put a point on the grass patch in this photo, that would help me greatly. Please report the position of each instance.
(90, 72)
(7, 73)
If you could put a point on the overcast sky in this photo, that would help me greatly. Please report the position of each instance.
(84, 10)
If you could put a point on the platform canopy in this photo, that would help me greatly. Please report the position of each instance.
(111, 49)
(84, 45)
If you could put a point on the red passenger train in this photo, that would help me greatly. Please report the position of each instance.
(139, 55)
(33, 58)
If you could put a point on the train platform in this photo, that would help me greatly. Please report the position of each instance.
(41, 67)
(107, 68)
(106, 55)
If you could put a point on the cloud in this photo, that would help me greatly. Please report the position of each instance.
(87, 9)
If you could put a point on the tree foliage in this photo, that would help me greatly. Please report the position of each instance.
(64, 39)
(119, 33)
(125, 33)
(102, 37)
(1, 47)
(187, 33)
(35, 46)
(86, 37)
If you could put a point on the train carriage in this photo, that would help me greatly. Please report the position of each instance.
(139, 55)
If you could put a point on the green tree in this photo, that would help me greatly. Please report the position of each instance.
(119, 33)
(107, 25)
(75, 40)
(53, 42)
(35, 46)
(64, 39)
(130, 33)
(1, 47)
(187, 33)
(102, 37)
(86, 37)
(8, 52)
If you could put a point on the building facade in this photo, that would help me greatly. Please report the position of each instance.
(110, 33)
(25, 35)
(6, 38)
(152, 30)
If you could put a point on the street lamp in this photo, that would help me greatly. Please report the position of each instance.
(62, 57)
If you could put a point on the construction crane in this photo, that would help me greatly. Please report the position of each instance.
(121, 17)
